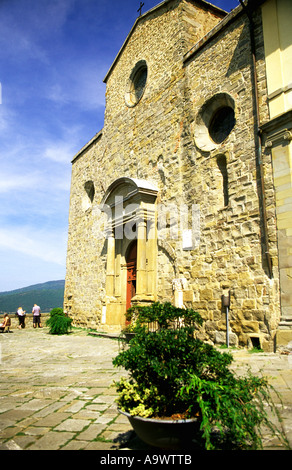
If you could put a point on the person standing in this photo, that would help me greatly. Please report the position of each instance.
(21, 317)
(36, 316)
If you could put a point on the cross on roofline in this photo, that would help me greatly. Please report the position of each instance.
(140, 9)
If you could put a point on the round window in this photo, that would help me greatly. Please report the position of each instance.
(221, 124)
(136, 83)
(215, 121)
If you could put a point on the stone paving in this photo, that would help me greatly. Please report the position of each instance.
(56, 392)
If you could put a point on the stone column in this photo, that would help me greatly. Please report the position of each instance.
(151, 257)
(178, 286)
(117, 281)
(141, 288)
(110, 265)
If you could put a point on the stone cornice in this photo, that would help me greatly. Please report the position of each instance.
(277, 130)
(213, 32)
(145, 15)
(86, 146)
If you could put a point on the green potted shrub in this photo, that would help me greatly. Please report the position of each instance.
(59, 323)
(177, 380)
(128, 332)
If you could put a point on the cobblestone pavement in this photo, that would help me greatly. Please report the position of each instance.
(56, 392)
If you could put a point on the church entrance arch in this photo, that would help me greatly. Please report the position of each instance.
(131, 262)
(131, 245)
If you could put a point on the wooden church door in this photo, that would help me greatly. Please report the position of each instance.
(131, 273)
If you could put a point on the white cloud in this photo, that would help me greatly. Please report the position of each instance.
(18, 182)
(78, 83)
(60, 152)
(25, 26)
(37, 243)
(57, 94)
(6, 115)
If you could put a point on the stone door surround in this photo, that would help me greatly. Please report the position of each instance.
(130, 206)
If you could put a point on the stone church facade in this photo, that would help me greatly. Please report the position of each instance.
(185, 194)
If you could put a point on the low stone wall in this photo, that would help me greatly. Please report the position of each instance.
(28, 320)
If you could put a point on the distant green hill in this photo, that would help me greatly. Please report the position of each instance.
(47, 295)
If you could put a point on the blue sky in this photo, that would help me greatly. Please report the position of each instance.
(54, 55)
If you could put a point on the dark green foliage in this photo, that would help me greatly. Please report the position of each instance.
(173, 373)
(165, 359)
(59, 323)
(235, 407)
(164, 314)
(57, 311)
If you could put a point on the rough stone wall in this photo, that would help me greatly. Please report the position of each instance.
(155, 140)
(85, 270)
(133, 143)
(229, 257)
(137, 137)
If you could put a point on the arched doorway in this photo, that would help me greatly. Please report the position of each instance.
(131, 261)
(131, 255)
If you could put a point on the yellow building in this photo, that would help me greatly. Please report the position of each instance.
(277, 138)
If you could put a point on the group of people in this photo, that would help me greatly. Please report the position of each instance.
(36, 316)
(5, 325)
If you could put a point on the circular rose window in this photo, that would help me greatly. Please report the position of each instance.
(136, 84)
(215, 121)
(221, 124)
